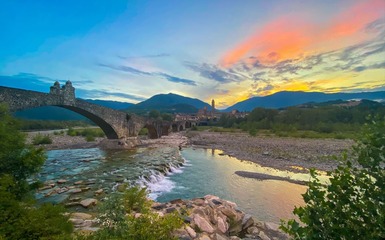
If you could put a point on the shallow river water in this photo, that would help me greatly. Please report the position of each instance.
(170, 174)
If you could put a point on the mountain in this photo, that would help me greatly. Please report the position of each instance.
(111, 104)
(58, 113)
(287, 98)
(170, 103)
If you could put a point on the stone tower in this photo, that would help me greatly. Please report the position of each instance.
(212, 107)
(55, 89)
(68, 93)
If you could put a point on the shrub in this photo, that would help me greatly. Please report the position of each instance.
(41, 139)
(90, 138)
(143, 131)
(352, 206)
(117, 224)
(253, 132)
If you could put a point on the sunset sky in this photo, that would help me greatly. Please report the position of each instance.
(226, 50)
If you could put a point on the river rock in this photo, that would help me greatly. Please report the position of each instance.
(203, 224)
(223, 226)
(89, 202)
(235, 228)
(80, 215)
(204, 237)
(98, 192)
(78, 182)
(61, 181)
(263, 235)
(271, 226)
(75, 190)
(247, 221)
(45, 188)
(220, 237)
(62, 190)
(191, 232)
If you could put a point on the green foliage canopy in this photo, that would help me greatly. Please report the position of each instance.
(19, 217)
(352, 206)
(17, 160)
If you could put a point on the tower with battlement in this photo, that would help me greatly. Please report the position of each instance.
(66, 92)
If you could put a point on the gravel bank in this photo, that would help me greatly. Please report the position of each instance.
(63, 141)
(277, 152)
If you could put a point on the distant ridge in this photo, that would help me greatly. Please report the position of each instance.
(287, 98)
(171, 103)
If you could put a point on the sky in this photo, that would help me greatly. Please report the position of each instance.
(219, 49)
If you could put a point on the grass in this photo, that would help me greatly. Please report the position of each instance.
(41, 139)
(89, 133)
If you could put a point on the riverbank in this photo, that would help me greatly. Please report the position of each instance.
(63, 141)
(292, 154)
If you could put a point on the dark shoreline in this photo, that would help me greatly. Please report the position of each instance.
(262, 177)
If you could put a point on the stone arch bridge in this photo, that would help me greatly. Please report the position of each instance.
(115, 124)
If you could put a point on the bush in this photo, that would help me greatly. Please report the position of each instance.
(352, 205)
(253, 132)
(117, 224)
(143, 132)
(41, 139)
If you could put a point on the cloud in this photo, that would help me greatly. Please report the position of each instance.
(126, 69)
(177, 80)
(135, 71)
(214, 72)
(105, 94)
(288, 37)
(372, 66)
(28, 81)
(160, 55)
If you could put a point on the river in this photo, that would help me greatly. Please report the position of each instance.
(170, 174)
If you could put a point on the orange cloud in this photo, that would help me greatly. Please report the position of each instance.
(281, 38)
(354, 18)
(288, 37)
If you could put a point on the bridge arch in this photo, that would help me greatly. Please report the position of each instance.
(106, 128)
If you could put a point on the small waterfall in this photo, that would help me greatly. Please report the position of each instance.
(158, 182)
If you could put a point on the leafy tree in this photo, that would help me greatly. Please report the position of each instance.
(154, 114)
(19, 217)
(17, 160)
(352, 206)
(167, 117)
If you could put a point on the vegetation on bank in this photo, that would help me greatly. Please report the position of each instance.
(313, 121)
(128, 216)
(41, 139)
(88, 133)
(33, 125)
(352, 206)
(20, 216)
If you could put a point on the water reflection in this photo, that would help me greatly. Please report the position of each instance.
(210, 172)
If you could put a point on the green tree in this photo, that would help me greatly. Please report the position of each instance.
(352, 206)
(19, 217)
(154, 114)
(167, 117)
(17, 160)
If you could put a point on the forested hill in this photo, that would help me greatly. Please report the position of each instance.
(286, 98)
(326, 117)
